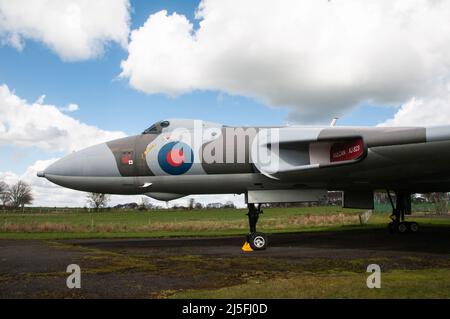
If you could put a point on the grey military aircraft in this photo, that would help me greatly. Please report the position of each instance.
(176, 158)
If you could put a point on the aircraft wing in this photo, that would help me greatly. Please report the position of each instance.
(338, 154)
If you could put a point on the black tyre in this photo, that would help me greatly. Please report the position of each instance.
(258, 241)
(402, 227)
(413, 227)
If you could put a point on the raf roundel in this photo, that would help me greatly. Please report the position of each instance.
(175, 158)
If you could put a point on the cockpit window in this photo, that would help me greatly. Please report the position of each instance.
(156, 128)
(151, 129)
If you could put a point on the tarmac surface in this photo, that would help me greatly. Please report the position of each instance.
(157, 267)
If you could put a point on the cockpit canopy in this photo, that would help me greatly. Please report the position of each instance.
(172, 124)
(157, 127)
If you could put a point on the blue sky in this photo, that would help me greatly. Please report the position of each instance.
(110, 103)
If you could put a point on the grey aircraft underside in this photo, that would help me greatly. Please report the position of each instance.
(175, 158)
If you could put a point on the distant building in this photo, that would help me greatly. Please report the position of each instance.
(127, 206)
(419, 198)
(229, 204)
(334, 198)
(214, 205)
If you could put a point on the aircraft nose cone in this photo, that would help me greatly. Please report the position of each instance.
(93, 161)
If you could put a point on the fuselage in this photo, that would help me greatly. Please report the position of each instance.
(181, 157)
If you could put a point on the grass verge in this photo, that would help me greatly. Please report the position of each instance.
(428, 283)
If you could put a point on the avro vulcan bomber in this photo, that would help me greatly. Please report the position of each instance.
(176, 158)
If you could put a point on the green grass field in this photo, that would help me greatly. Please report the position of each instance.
(161, 223)
(430, 283)
(164, 223)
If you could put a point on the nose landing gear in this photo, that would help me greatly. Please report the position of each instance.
(255, 240)
(402, 207)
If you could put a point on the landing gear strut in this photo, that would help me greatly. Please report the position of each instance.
(402, 207)
(257, 241)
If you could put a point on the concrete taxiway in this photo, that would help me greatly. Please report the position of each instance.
(156, 267)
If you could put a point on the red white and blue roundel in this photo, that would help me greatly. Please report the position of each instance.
(175, 158)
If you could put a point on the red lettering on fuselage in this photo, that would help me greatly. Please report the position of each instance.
(346, 151)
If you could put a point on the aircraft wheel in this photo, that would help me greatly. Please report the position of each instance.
(402, 227)
(413, 227)
(258, 241)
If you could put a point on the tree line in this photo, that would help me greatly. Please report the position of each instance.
(20, 194)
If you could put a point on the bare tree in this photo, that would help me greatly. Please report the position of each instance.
(191, 203)
(229, 204)
(3, 186)
(198, 205)
(4, 193)
(440, 202)
(97, 200)
(20, 194)
(145, 204)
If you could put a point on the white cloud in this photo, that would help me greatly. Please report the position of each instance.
(70, 108)
(45, 126)
(41, 99)
(433, 109)
(74, 29)
(320, 58)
